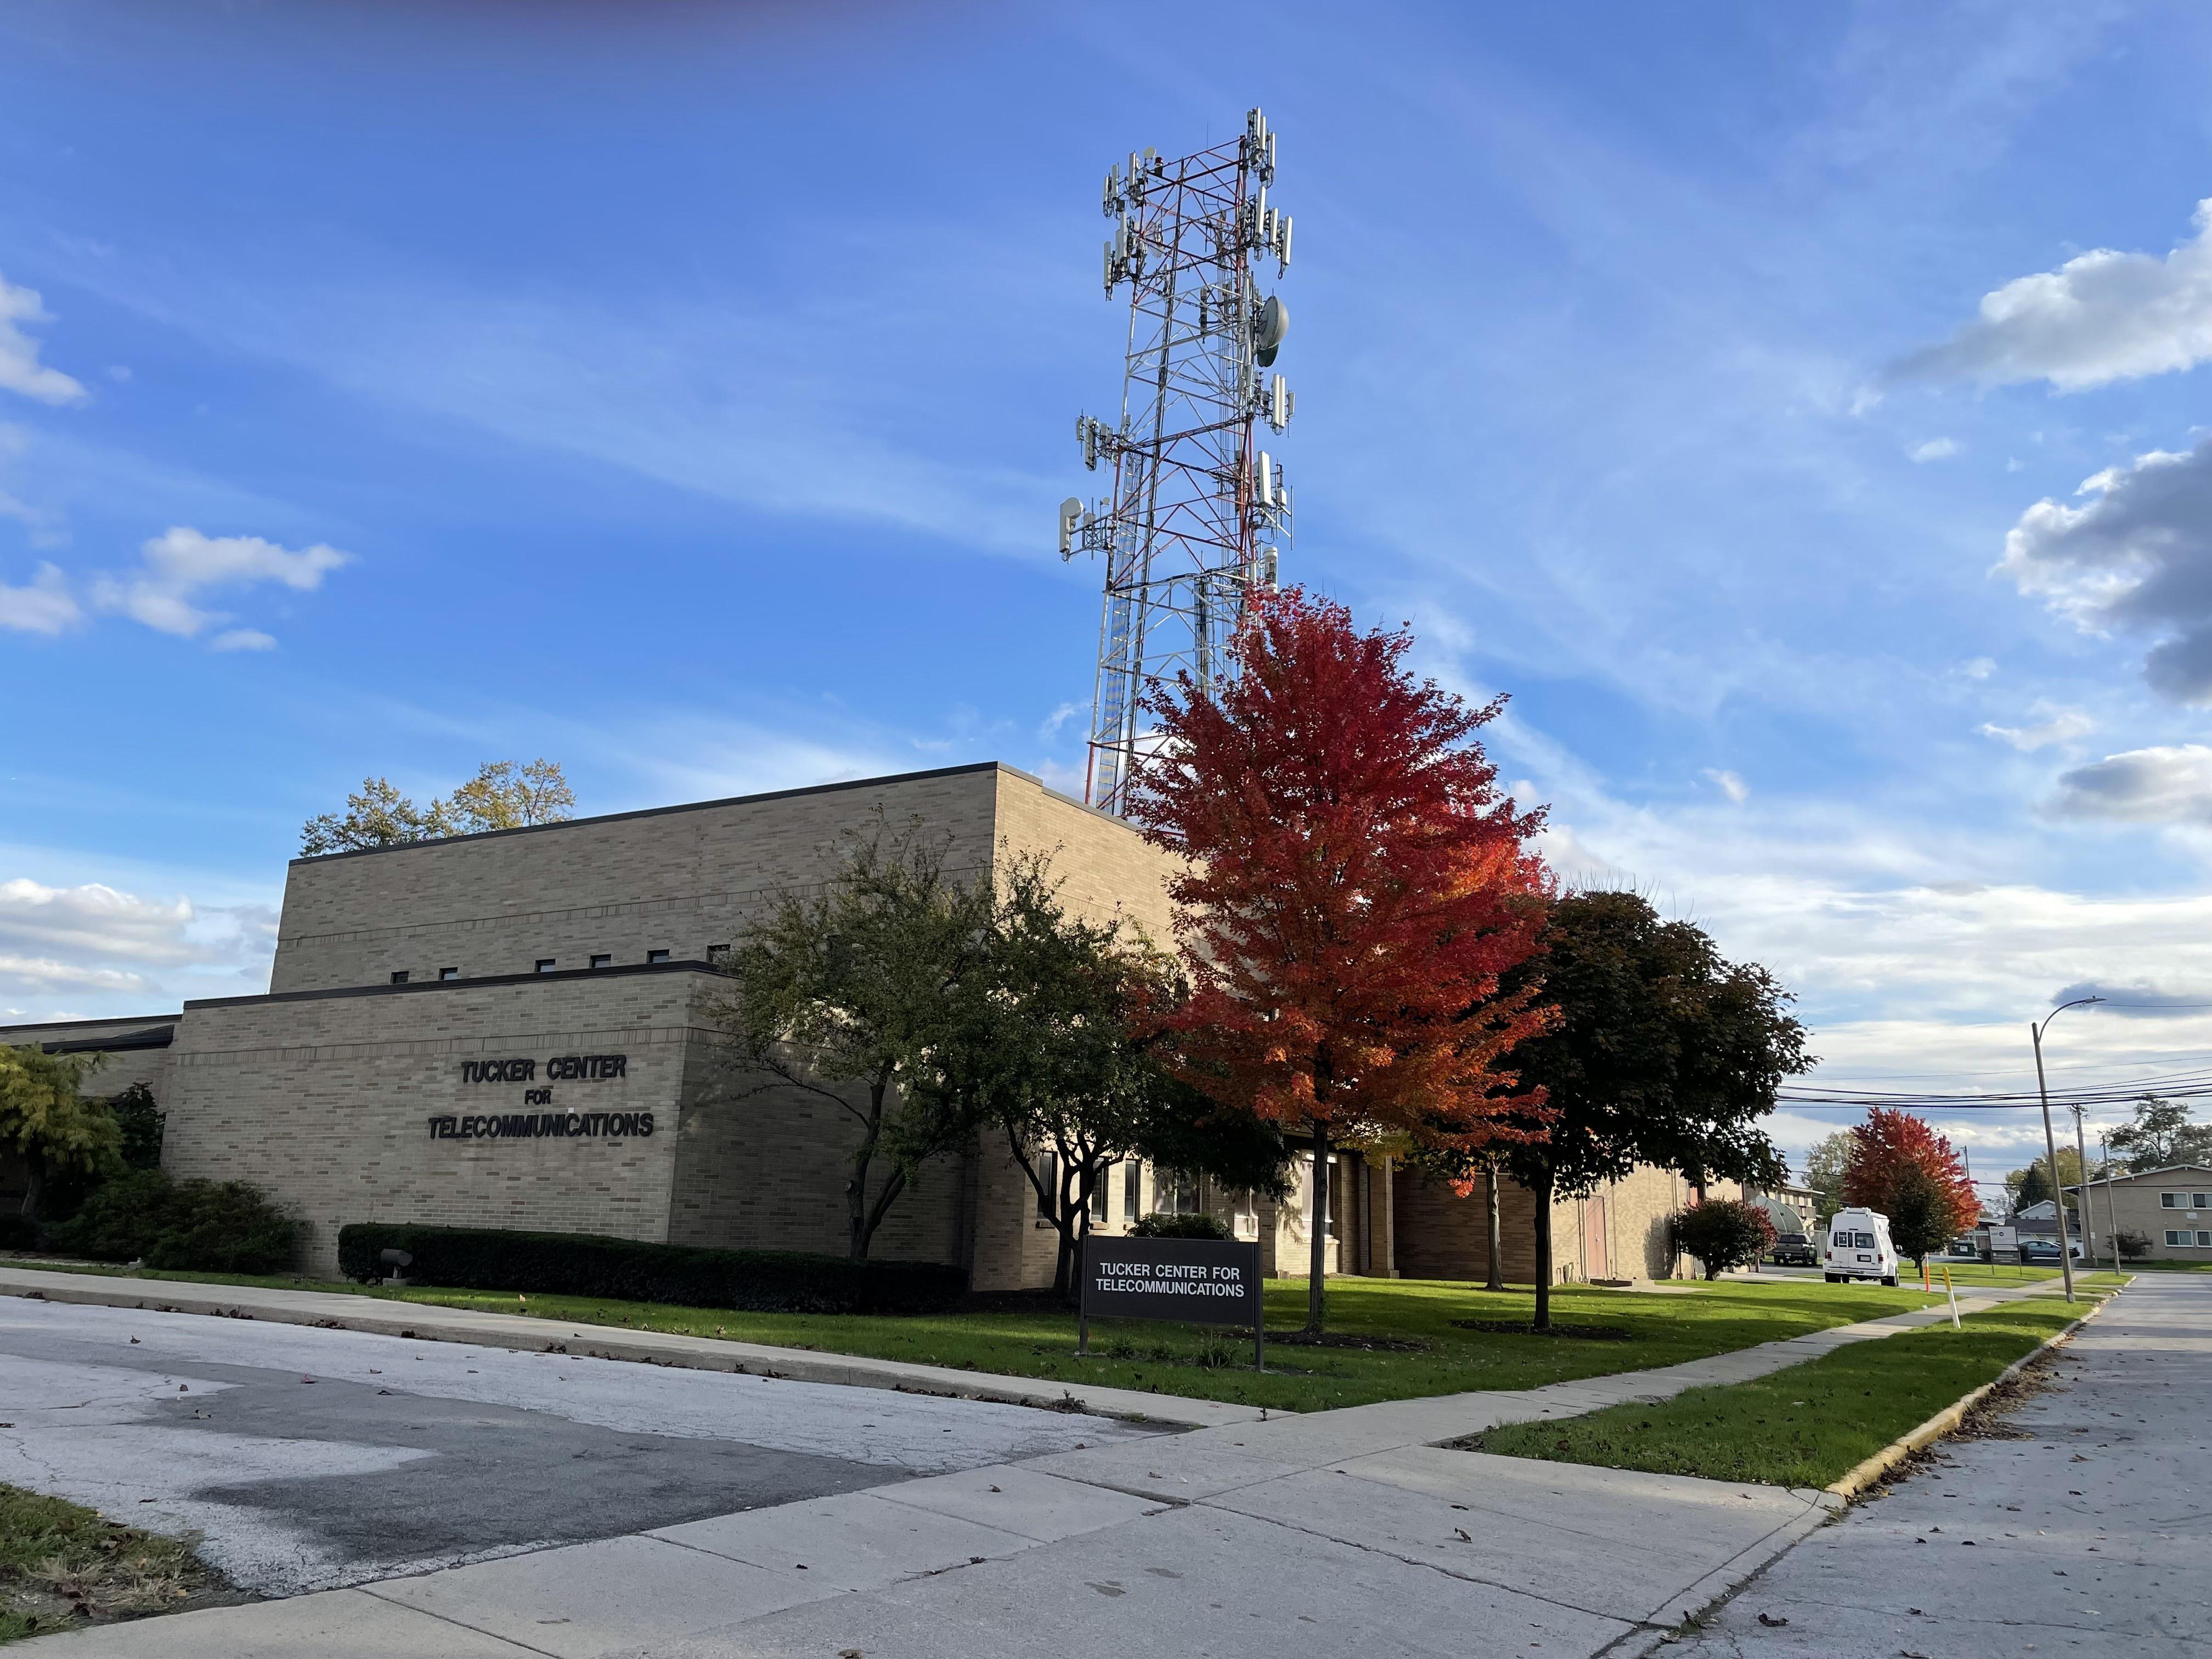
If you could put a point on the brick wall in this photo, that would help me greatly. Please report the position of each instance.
(1618, 1232)
(324, 1101)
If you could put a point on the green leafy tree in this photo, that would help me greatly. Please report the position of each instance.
(1823, 1172)
(1045, 1049)
(503, 795)
(1722, 1233)
(1923, 1213)
(2031, 1184)
(848, 995)
(508, 795)
(139, 1120)
(2160, 1134)
(1664, 1053)
(46, 1120)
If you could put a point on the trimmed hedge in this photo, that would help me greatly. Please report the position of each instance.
(210, 1226)
(583, 1264)
(1160, 1224)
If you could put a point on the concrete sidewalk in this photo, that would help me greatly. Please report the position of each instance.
(2081, 1527)
(1221, 1541)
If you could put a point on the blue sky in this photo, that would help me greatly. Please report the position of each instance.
(684, 392)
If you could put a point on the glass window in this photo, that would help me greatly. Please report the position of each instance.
(656, 956)
(544, 964)
(1100, 1188)
(1048, 1169)
(400, 978)
(718, 956)
(2200, 1201)
(2175, 1235)
(2204, 1241)
(449, 973)
(1175, 1193)
(1133, 1190)
(2169, 1200)
(602, 961)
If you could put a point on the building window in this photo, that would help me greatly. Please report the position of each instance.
(400, 978)
(1133, 1190)
(1244, 1216)
(544, 964)
(1100, 1193)
(602, 961)
(1048, 1169)
(2169, 1201)
(656, 956)
(718, 956)
(449, 973)
(1175, 1193)
(2200, 1201)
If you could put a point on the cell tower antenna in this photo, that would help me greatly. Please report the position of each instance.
(1198, 513)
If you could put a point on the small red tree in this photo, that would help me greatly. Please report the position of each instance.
(1355, 885)
(1898, 1164)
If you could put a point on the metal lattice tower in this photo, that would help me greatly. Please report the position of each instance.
(1198, 511)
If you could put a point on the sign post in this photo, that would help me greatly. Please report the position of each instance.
(1197, 1281)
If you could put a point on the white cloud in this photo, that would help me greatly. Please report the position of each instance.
(1730, 784)
(2101, 317)
(1937, 449)
(1058, 717)
(2052, 725)
(95, 920)
(181, 563)
(2137, 555)
(20, 370)
(2167, 785)
(45, 605)
(242, 639)
(44, 974)
(1979, 668)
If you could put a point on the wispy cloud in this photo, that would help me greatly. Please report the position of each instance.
(2101, 317)
(2052, 725)
(1937, 449)
(44, 605)
(181, 564)
(20, 370)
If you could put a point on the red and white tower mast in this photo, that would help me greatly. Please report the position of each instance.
(1199, 512)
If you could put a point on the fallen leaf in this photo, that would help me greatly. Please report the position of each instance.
(1772, 1624)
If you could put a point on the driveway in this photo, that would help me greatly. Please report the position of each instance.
(310, 1459)
(2089, 1534)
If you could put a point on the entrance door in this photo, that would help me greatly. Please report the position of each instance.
(1597, 1262)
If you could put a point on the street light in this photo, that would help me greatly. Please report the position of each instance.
(2051, 1140)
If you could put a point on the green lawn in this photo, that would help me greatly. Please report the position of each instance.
(1807, 1426)
(1210, 1362)
(62, 1566)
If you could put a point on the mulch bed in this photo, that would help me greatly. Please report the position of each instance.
(1522, 1328)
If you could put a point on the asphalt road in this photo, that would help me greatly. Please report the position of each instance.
(308, 1459)
(2089, 1535)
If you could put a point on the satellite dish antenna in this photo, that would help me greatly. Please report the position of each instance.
(1268, 329)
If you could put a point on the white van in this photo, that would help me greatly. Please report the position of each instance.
(1858, 1247)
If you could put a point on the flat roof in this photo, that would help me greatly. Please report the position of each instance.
(724, 800)
(416, 986)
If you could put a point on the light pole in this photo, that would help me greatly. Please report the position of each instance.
(2111, 1215)
(2049, 1140)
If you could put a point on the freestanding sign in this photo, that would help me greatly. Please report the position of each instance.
(1201, 1281)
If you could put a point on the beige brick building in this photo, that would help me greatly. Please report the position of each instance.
(517, 1029)
(2171, 1207)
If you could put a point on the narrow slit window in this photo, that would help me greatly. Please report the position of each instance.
(602, 961)
(546, 965)
(449, 973)
(400, 977)
(656, 956)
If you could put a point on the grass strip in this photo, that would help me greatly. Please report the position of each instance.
(1807, 1426)
(63, 1566)
(1429, 1352)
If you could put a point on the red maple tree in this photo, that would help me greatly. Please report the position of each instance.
(1355, 882)
(1898, 1162)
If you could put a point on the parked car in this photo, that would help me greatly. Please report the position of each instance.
(1858, 1246)
(2043, 1252)
(1793, 1250)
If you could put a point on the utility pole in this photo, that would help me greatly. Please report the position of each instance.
(2111, 1214)
(2088, 1216)
(2051, 1140)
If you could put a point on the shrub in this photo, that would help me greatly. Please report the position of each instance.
(1722, 1233)
(2133, 1245)
(140, 1119)
(208, 1226)
(18, 1232)
(1181, 1226)
(623, 1269)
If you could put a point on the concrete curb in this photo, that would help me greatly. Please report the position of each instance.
(1873, 1468)
(527, 1333)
